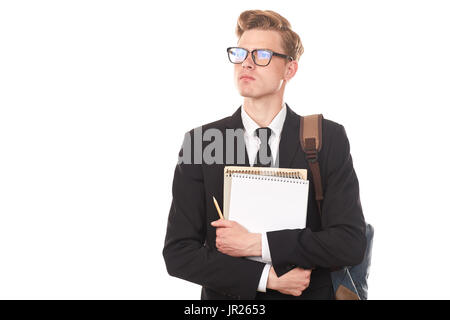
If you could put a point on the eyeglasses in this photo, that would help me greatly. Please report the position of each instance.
(261, 57)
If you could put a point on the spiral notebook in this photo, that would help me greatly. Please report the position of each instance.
(266, 199)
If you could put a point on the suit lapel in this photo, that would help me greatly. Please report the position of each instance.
(289, 142)
(235, 122)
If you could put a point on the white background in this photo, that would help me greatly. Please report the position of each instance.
(96, 96)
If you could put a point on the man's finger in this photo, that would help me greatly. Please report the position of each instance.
(221, 223)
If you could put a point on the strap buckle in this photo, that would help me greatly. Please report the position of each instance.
(312, 156)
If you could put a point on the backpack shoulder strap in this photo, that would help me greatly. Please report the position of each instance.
(311, 128)
(311, 142)
(344, 286)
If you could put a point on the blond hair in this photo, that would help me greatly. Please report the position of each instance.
(270, 20)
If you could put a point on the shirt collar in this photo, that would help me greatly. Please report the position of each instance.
(276, 125)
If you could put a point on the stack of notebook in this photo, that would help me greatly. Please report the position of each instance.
(266, 199)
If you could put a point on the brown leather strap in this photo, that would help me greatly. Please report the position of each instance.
(315, 171)
(311, 142)
(343, 293)
(311, 127)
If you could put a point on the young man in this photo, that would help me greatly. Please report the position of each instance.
(205, 250)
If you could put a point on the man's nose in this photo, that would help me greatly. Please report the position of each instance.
(248, 62)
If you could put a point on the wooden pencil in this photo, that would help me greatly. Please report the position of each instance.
(218, 208)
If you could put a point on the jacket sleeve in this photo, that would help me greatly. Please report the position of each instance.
(186, 253)
(341, 241)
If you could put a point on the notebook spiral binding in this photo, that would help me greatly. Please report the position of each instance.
(269, 178)
(262, 172)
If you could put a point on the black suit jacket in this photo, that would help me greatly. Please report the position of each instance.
(335, 239)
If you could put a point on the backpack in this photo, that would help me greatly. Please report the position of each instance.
(349, 283)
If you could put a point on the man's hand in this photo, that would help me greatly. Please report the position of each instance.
(234, 240)
(293, 282)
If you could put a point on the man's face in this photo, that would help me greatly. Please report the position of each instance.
(268, 80)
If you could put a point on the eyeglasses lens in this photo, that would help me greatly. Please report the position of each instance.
(262, 57)
(237, 55)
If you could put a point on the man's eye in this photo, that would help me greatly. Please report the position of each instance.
(240, 54)
(263, 54)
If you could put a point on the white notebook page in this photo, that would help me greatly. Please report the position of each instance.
(262, 204)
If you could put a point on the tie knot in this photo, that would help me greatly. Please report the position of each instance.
(264, 133)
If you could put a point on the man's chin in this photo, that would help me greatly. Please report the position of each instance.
(246, 94)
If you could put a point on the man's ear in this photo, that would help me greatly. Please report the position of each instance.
(291, 70)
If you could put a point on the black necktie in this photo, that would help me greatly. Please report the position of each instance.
(264, 155)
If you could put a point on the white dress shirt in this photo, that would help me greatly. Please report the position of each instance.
(252, 144)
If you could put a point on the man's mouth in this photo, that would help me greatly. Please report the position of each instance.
(246, 78)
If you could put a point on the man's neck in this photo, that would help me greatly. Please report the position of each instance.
(262, 111)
